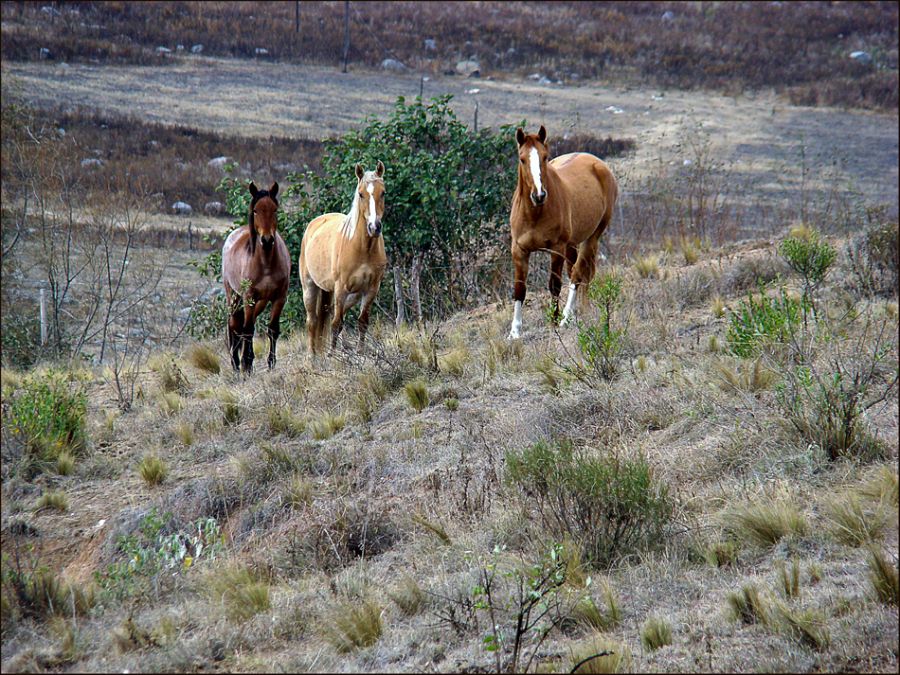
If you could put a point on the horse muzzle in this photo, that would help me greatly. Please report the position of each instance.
(538, 199)
(374, 228)
(268, 242)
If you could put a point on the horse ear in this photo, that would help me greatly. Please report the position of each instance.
(359, 171)
(379, 170)
(273, 190)
(253, 189)
(542, 134)
(520, 136)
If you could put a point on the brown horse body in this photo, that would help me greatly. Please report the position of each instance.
(561, 206)
(256, 270)
(342, 260)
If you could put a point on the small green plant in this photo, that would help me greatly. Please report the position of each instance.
(205, 359)
(171, 402)
(789, 581)
(55, 500)
(327, 426)
(452, 403)
(759, 322)
(417, 394)
(748, 606)
(655, 633)
(48, 415)
(611, 504)
(39, 593)
(884, 577)
(721, 553)
(153, 470)
(811, 258)
(764, 523)
(601, 344)
(454, 362)
(352, 626)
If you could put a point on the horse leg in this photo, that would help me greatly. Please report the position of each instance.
(311, 299)
(582, 273)
(520, 272)
(323, 315)
(235, 330)
(337, 323)
(557, 258)
(274, 329)
(251, 311)
(364, 316)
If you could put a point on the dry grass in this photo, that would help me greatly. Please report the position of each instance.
(718, 307)
(736, 375)
(231, 411)
(354, 625)
(53, 500)
(240, 592)
(884, 577)
(153, 470)
(327, 426)
(408, 596)
(789, 581)
(882, 487)
(282, 421)
(417, 394)
(204, 359)
(809, 627)
(749, 606)
(690, 250)
(299, 492)
(65, 463)
(763, 524)
(647, 266)
(454, 362)
(600, 654)
(184, 432)
(852, 523)
(655, 633)
(433, 528)
(721, 554)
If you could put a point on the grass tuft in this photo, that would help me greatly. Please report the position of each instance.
(184, 431)
(721, 554)
(655, 633)
(884, 577)
(882, 488)
(789, 582)
(299, 492)
(327, 426)
(408, 596)
(283, 421)
(690, 249)
(764, 524)
(718, 307)
(65, 463)
(153, 470)
(748, 606)
(808, 627)
(454, 362)
(352, 626)
(205, 359)
(242, 593)
(647, 266)
(231, 411)
(435, 529)
(599, 654)
(55, 500)
(851, 523)
(417, 394)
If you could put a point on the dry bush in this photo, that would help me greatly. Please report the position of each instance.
(852, 523)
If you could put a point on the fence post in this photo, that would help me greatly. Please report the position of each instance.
(43, 319)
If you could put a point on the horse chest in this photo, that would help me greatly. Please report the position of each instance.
(533, 240)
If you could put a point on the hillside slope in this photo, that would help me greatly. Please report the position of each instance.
(345, 531)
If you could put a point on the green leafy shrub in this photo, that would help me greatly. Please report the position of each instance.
(600, 344)
(810, 257)
(611, 505)
(757, 322)
(48, 417)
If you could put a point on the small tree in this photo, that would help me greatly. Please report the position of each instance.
(811, 258)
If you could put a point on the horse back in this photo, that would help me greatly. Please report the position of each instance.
(591, 186)
(317, 250)
(234, 253)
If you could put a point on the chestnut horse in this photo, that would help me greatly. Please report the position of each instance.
(256, 269)
(561, 206)
(342, 260)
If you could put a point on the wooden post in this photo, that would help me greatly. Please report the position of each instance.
(346, 34)
(190, 237)
(43, 318)
(398, 296)
(297, 17)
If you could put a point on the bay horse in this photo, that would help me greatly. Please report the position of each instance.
(256, 270)
(342, 260)
(561, 206)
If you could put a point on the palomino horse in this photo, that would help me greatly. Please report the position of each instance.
(256, 269)
(561, 206)
(342, 260)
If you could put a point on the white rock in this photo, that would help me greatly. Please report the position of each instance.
(468, 68)
(393, 65)
(430, 44)
(182, 208)
(261, 51)
(91, 161)
(213, 208)
(163, 50)
(668, 16)
(218, 162)
(862, 57)
(196, 49)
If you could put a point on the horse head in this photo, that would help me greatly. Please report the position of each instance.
(533, 156)
(370, 195)
(263, 214)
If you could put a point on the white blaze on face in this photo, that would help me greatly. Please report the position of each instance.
(535, 162)
(372, 214)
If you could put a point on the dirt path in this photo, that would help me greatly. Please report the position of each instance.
(758, 135)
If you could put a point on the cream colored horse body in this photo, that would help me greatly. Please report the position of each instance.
(342, 260)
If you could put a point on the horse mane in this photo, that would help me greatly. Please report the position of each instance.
(348, 227)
